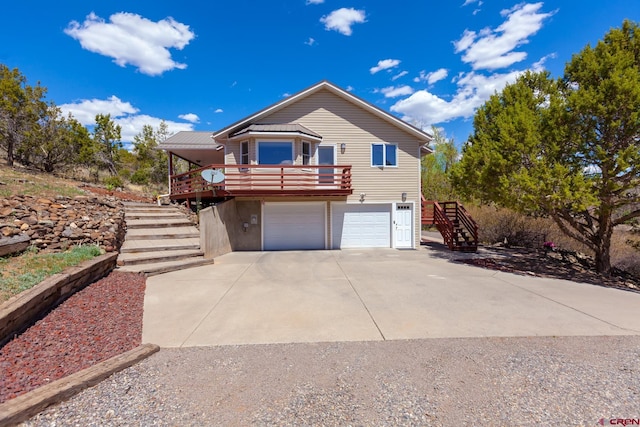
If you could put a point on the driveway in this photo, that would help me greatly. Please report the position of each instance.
(370, 295)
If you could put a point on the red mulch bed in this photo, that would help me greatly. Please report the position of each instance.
(95, 324)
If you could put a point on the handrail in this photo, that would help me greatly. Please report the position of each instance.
(267, 179)
(442, 222)
(446, 217)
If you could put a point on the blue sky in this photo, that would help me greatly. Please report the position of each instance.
(204, 65)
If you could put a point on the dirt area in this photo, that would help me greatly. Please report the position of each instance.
(118, 194)
(558, 265)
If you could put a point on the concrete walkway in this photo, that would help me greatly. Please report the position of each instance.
(364, 295)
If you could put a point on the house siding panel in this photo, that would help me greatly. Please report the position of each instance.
(339, 121)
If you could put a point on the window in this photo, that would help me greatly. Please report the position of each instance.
(384, 155)
(275, 153)
(306, 153)
(244, 153)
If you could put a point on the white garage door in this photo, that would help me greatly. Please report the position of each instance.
(290, 226)
(361, 225)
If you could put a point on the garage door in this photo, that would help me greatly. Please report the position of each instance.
(289, 226)
(361, 225)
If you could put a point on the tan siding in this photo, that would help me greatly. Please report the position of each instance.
(338, 121)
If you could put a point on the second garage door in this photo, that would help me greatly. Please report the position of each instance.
(361, 225)
(290, 226)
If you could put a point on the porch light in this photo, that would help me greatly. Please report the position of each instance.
(362, 197)
(343, 148)
(404, 197)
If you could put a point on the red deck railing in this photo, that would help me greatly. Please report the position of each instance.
(457, 227)
(264, 180)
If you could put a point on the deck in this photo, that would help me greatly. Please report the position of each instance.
(264, 180)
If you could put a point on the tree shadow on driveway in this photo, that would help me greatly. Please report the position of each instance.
(538, 263)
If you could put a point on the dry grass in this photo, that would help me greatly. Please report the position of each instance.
(22, 181)
(497, 225)
(24, 271)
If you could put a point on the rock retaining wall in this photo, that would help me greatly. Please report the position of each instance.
(64, 222)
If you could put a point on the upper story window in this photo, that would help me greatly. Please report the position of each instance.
(244, 153)
(306, 153)
(275, 153)
(384, 155)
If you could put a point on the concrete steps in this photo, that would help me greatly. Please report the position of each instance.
(159, 239)
(151, 269)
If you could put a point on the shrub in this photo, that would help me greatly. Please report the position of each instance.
(113, 182)
(141, 176)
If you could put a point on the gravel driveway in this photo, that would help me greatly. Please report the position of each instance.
(440, 382)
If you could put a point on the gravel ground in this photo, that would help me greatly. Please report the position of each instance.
(564, 381)
(99, 322)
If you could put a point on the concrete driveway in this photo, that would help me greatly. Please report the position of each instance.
(374, 294)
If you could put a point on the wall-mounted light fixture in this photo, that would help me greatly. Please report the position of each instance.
(404, 197)
(362, 197)
(343, 148)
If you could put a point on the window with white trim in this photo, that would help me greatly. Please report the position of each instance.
(275, 153)
(306, 153)
(384, 155)
(244, 153)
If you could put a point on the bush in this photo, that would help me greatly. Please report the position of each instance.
(499, 225)
(141, 176)
(113, 182)
(495, 225)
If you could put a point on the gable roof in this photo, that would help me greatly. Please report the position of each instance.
(235, 127)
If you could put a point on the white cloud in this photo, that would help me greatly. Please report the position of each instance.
(122, 113)
(314, 2)
(468, 2)
(384, 64)
(396, 91)
(190, 117)
(432, 77)
(494, 48)
(310, 42)
(85, 111)
(539, 65)
(400, 74)
(474, 89)
(219, 110)
(132, 125)
(131, 39)
(350, 88)
(342, 19)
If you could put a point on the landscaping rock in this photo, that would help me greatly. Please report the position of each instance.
(57, 224)
(17, 243)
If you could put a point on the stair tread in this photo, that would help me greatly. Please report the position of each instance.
(127, 256)
(164, 267)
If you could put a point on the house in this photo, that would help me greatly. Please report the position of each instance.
(321, 169)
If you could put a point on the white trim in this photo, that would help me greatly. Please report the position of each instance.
(412, 222)
(274, 135)
(310, 153)
(293, 149)
(335, 158)
(384, 154)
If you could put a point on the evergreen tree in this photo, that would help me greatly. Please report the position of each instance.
(566, 148)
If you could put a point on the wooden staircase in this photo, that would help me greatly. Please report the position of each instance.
(159, 239)
(458, 229)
